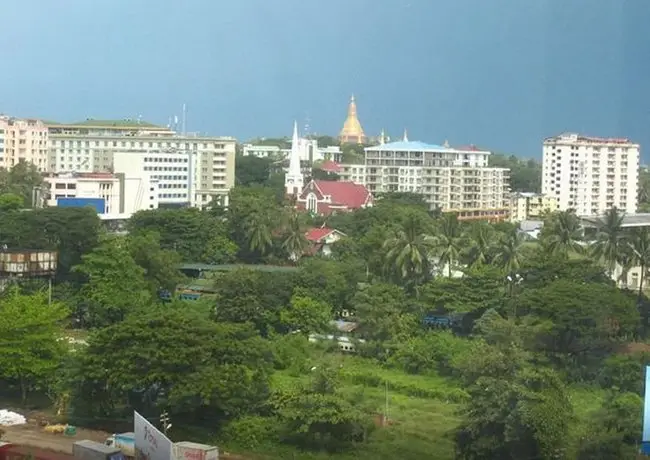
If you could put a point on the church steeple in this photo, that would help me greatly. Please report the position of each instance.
(406, 136)
(352, 131)
(293, 180)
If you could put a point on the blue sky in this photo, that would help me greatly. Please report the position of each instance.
(502, 74)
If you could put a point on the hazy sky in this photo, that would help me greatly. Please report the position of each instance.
(502, 74)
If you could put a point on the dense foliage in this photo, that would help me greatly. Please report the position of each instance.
(538, 353)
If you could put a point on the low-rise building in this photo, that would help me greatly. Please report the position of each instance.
(531, 206)
(322, 239)
(326, 197)
(118, 195)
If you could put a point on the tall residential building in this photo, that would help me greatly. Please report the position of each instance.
(591, 174)
(450, 179)
(531, 206)
(352, 131)
(24, 140)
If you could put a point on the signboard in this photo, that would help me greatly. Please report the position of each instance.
(645, 439)
(150, 443)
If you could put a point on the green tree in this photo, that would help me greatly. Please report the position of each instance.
(11, 202)
(639, 246)
(115, 285)
(610, 239)
(251, 170)
(525, 175)
(202, 372)
(482, 238)
(449, 241)
(319, 417)
(408, 251)
(22, 179)
(509, 254)
(31, 330)
(160, 265)
(220, 250)
(305, 314)
(564, 234)
(294, 241)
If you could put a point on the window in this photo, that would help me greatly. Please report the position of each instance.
(312, 203)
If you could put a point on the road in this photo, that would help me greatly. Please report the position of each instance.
(31, 434)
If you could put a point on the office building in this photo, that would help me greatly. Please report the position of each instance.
(591, 174)
(23, 140)
(531, 206)
(450, 179)
(120, 195)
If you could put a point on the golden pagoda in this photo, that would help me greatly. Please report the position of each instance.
(352, 132)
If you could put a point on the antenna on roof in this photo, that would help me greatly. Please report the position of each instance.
(184, 119)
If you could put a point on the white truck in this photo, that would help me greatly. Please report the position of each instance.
(186, 450)
(125, 442)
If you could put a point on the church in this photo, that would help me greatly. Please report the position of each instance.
(321, 196)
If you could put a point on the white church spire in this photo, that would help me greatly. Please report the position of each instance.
(293, 180)
(406, 136)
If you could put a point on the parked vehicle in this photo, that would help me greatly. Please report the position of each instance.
(125, 442)
(91, 450)
(186, 450)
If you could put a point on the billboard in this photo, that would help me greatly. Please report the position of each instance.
(645, 439)
(98, 204)
(150, 443)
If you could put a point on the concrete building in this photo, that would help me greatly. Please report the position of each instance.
(531, 206)
(591, 174)
(23, 140)
(264, 151)
(450, 179)
(353, 173)
(122, 195)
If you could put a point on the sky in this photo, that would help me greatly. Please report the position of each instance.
(500, 74)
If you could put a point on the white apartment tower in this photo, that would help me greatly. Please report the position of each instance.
(293, 180)
(591, 174)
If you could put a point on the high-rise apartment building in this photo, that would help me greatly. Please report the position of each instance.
(23, 140)
(591, 174)
(450, 179)
(94, 146)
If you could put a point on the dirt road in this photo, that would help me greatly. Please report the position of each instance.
(33, 435)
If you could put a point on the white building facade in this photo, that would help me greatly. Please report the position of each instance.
(450, 179)
(591, 174)
(123, 195)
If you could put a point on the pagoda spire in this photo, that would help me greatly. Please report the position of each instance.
(293, 180)
(352, 131)
(406, 136)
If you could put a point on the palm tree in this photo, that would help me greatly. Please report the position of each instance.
(258, 230)
(449, 241)
(482, 245)
(610, 239)
(408, 250)
(565, 234)
(509, 253)
(639, 244)
(294, 241)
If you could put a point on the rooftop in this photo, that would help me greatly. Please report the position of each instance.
(124, 123)
(409, 146)
(629, 220)
(574, 137)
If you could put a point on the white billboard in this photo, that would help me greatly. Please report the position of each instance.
(150, 443)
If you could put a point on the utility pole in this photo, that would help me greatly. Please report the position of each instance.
(386, 409)
(164, 420)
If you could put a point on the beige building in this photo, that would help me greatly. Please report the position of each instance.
(451, 179)
(591, 174)
(531, 206)
(191, 169)
(23, 140)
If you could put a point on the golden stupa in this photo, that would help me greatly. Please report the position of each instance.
(352, 132)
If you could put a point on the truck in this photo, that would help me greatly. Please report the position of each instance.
(186, 450)
(125, 442)
(91, 450)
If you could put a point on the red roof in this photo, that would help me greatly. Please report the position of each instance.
(316, 234)
(344, 194)
(330, 166)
